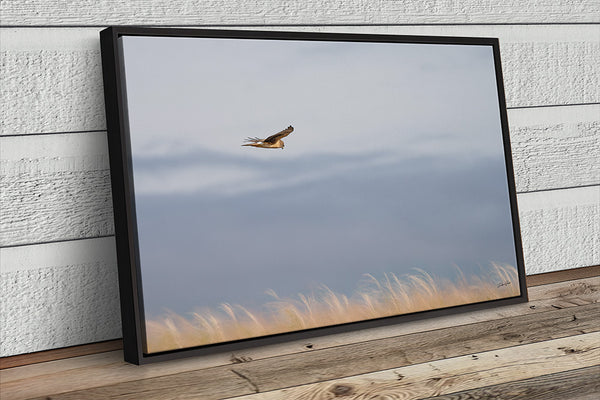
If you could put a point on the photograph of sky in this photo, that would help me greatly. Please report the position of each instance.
(395, 162)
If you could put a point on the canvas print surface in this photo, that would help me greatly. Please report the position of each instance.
(283, 185)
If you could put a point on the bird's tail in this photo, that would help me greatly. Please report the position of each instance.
(252, 141)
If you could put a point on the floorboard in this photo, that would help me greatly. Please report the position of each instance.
(578, 384)
(454, 375)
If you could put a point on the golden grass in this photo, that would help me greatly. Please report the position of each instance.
(375, 298)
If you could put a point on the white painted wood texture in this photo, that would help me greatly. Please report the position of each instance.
(318, 12)
(58, 294)
(55, 74)
(555, 147)
(55, 187)
(560, 228)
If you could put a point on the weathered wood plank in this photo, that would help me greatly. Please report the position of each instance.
(59, 354)
(108, 368)
(359, 358)
(64, 181)
(222, 12)
(577, 384)
(532, 363)
(562, 276)
(55, 75)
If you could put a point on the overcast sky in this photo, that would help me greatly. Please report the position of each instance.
(395, 162)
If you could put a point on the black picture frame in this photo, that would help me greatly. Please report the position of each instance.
(124, 200)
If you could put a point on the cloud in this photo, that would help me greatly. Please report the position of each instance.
(220, 174)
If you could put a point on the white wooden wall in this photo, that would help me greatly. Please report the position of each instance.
(58, 273)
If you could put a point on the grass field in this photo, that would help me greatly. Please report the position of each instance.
(376, 297)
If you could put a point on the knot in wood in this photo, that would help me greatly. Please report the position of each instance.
(341, 390)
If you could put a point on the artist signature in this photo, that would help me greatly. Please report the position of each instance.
(506, 283)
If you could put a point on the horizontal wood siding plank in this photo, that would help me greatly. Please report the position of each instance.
(57, 306)
(68, 205)
(51, 91)
(560, 238)
(223, 12)
(560, 227)
(100, 251)
(108, 368)
(555, 147)
(532, 363)
(53, 76)
(366, 357)
(54, 187)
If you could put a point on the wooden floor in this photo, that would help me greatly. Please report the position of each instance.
(547, 349)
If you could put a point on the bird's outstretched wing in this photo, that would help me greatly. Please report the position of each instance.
(279, 135)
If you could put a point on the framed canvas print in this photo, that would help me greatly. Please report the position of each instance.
(274, 186)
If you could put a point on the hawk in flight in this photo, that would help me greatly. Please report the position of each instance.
(272, 142)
